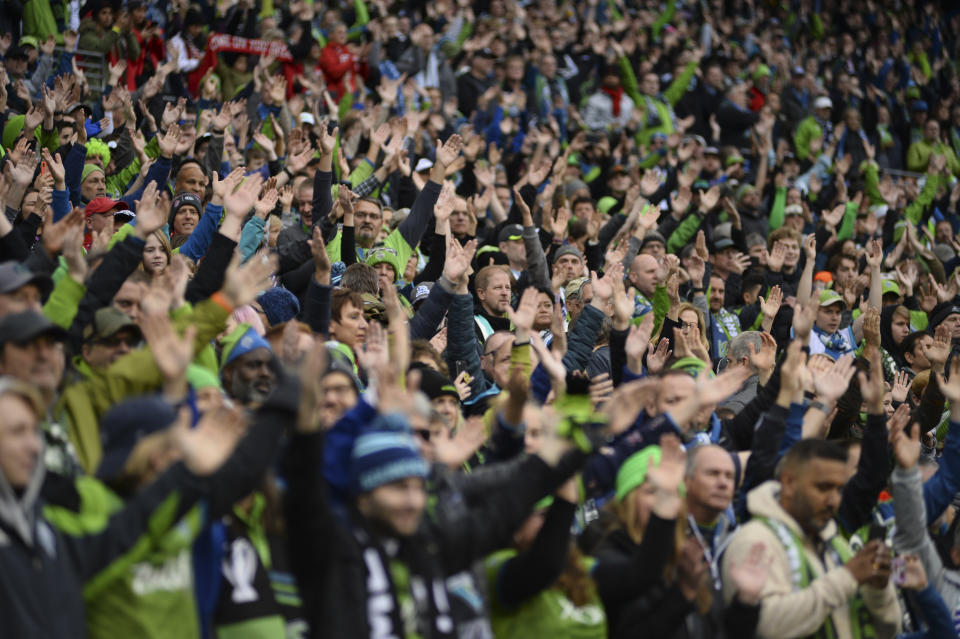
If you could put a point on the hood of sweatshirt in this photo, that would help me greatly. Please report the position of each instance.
(18, 514)
(764, 501)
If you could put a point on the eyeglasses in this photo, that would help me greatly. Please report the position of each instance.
(132, 341)
(422, 433)
(691, 325)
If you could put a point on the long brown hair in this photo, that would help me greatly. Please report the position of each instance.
(575, 582)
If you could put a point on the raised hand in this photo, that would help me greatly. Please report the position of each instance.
(871, 388)
(54, 233)
(750, 574)
(776, 257)
(266, 203)
(55, 166)
(458, 258)
(239, 202)
(833, 217)
(667, 476)
(638, 341)
(448, 151)
(168, 143)
(938, 351)
(526, 312)
(207, 446)
(833, 383)
(901, 387)
(171, 352)
(771, 305)
(951, 387)
(709, 198)
(444, 206)
(77, 266)
(904, 438)
(151, 213)
(243, 282)
(326, 138)
(454, 449)
(657, 358)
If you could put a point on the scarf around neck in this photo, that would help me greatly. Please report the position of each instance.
(615, 96)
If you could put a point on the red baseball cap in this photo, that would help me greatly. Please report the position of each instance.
(103, 205)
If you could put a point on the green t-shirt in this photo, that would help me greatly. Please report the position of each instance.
(548, 614)
(147, 592)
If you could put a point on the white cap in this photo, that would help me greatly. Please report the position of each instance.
(423, 164)
(823, 102)
(307, 118)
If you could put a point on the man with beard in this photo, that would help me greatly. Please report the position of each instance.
(493, 292)
(814, 583)
(368, 212)
(247, 369)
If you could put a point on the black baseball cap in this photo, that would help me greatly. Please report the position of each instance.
(14, 274)
(26, 326)
(510, 232)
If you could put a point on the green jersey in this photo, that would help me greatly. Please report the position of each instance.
(548, 614)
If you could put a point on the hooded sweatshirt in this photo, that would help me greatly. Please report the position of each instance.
(790, 611)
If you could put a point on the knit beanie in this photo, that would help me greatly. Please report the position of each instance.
(633, 472)
(89, 169)
(381, 457)
(692, 365)
(279, 305)
(200, 377)
(179, 201)
(240, 341)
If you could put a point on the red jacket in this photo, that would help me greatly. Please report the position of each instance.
(336, 60)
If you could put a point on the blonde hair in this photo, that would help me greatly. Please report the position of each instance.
(701, 322)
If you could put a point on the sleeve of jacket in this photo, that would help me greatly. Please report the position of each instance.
(316, 307)
(61, 307)
(621, 579)
(488, 525)
(210, 272)
(311, 526)
(582, 338)
(535, 569)
(861, 492)
(73, 170)
(322, 196)
(251, 236)
(414, 225)
(199, 241)
(684, 233)
(159, 173)
(462, 342)
(536, 258)
(162, 504)
(911, 534)
(939, 490)
(213, 158)
(427, 319)
(117, 265)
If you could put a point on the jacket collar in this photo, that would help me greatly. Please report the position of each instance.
(18, 514)
(764, 501)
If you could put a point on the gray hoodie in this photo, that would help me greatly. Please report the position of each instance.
(911, 534)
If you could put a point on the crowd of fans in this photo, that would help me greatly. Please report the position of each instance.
(479, 319)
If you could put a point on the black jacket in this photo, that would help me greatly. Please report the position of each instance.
(328, 559)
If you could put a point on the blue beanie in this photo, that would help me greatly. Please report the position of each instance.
(241, 341)
(127, 423)
(279, 305)
(383, 456)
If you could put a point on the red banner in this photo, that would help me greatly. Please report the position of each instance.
(225, 42)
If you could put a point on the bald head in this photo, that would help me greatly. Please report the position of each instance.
(643, 273)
